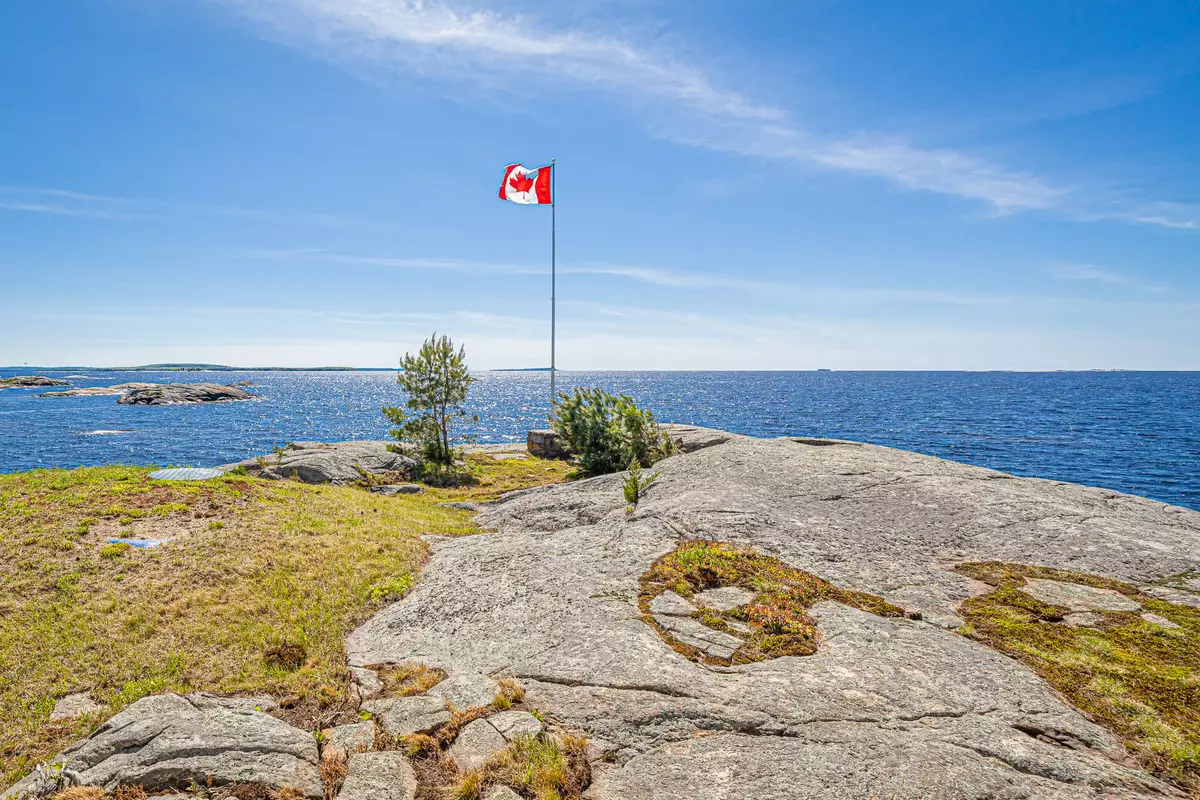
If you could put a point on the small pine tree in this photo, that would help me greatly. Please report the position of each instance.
(436, 381)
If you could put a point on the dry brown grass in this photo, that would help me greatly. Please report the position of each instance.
(408, 679)
(288, 564)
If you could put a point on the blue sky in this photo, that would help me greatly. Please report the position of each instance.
(742, 185)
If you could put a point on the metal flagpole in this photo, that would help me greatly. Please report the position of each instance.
(553, 274)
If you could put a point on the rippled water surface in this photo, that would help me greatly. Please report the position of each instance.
(1133, 431)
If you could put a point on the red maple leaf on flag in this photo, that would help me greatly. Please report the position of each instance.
(521, 183)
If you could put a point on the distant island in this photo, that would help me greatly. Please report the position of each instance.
(202, 368)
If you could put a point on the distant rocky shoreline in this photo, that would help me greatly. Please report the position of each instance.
(139, 394)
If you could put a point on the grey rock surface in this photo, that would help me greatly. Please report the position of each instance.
(1184, 597)
(690, 438)
(512, 724)
(671, 604)
(724, 598)
(401, 716)
(328, 462)
(379, 776)
(476, 743)
(100, 391)
(1076, 597)
(74, 705)
(717, 644)
(466, 689)
(394, 489)
(906, 708)
(169, 741)
(175, 394)
(350, 738)
(501, 793)
(366, 681)
(1159, 620)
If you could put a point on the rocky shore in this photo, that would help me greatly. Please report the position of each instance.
(30, 382)
(559, 596)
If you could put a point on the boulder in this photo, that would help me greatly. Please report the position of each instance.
(690, 438)
(545, 444)
(334, 462)
(171, 741)
(174, 394)
(511, 724)
(897, 707)
(401, 716)
(379, 776)
(392, 490)
(30, 382)
(501, 793)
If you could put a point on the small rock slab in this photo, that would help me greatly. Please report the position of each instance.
(466, 689)
(1149, 617)
(511, 724)
(715, 644)
(1083, 619)
(185, 474)
(401, 716)
(366, 681)
(1077, 597)
(671, 604)
(1179, 596)
(379, 776)
(170, 741)
(74, 705)
(502, 793)
(509, 456)
(392, 490)
(725, 598)
(476, 743)
(350, 739)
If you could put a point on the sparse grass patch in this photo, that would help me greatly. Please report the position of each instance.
(287, 563)
(1140, 680)
(777, 616)
(543, 767)
(408, 679)
(493, 478)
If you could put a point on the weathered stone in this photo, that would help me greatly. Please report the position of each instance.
(350, 738)
(716, 644)
(398, 488)
(502, 793)
(725, 598)
(671, 604)
(512, 724)
(690, 438)
(508, 456)
(466, 689)
(401, 716)
(320, 462)
(74, 705)
(900, 707)
(1159, 620)
(1180, 596)
(170, 741)
(30, 382)
(174, 394)
(1077, 597)
(366, 681)
(476, 743)
(1083, 619)
(379, 776)
(545, 444)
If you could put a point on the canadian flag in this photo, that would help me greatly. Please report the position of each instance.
(527, 186)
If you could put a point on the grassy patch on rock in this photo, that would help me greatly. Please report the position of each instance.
(1138, 678)
(777, 618)
(255, 591)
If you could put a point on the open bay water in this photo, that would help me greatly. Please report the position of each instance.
(1136, 432)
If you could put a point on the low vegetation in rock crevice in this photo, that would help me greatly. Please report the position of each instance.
(255, 591)
(1138, 678)
(775, 623)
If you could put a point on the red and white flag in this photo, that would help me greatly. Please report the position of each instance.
(527, 186)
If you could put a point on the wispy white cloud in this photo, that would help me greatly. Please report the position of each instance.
(434, 38)
(1089, 272)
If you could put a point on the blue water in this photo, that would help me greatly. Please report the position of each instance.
(1132, 431)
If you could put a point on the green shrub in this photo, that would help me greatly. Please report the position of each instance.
(608, 432)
